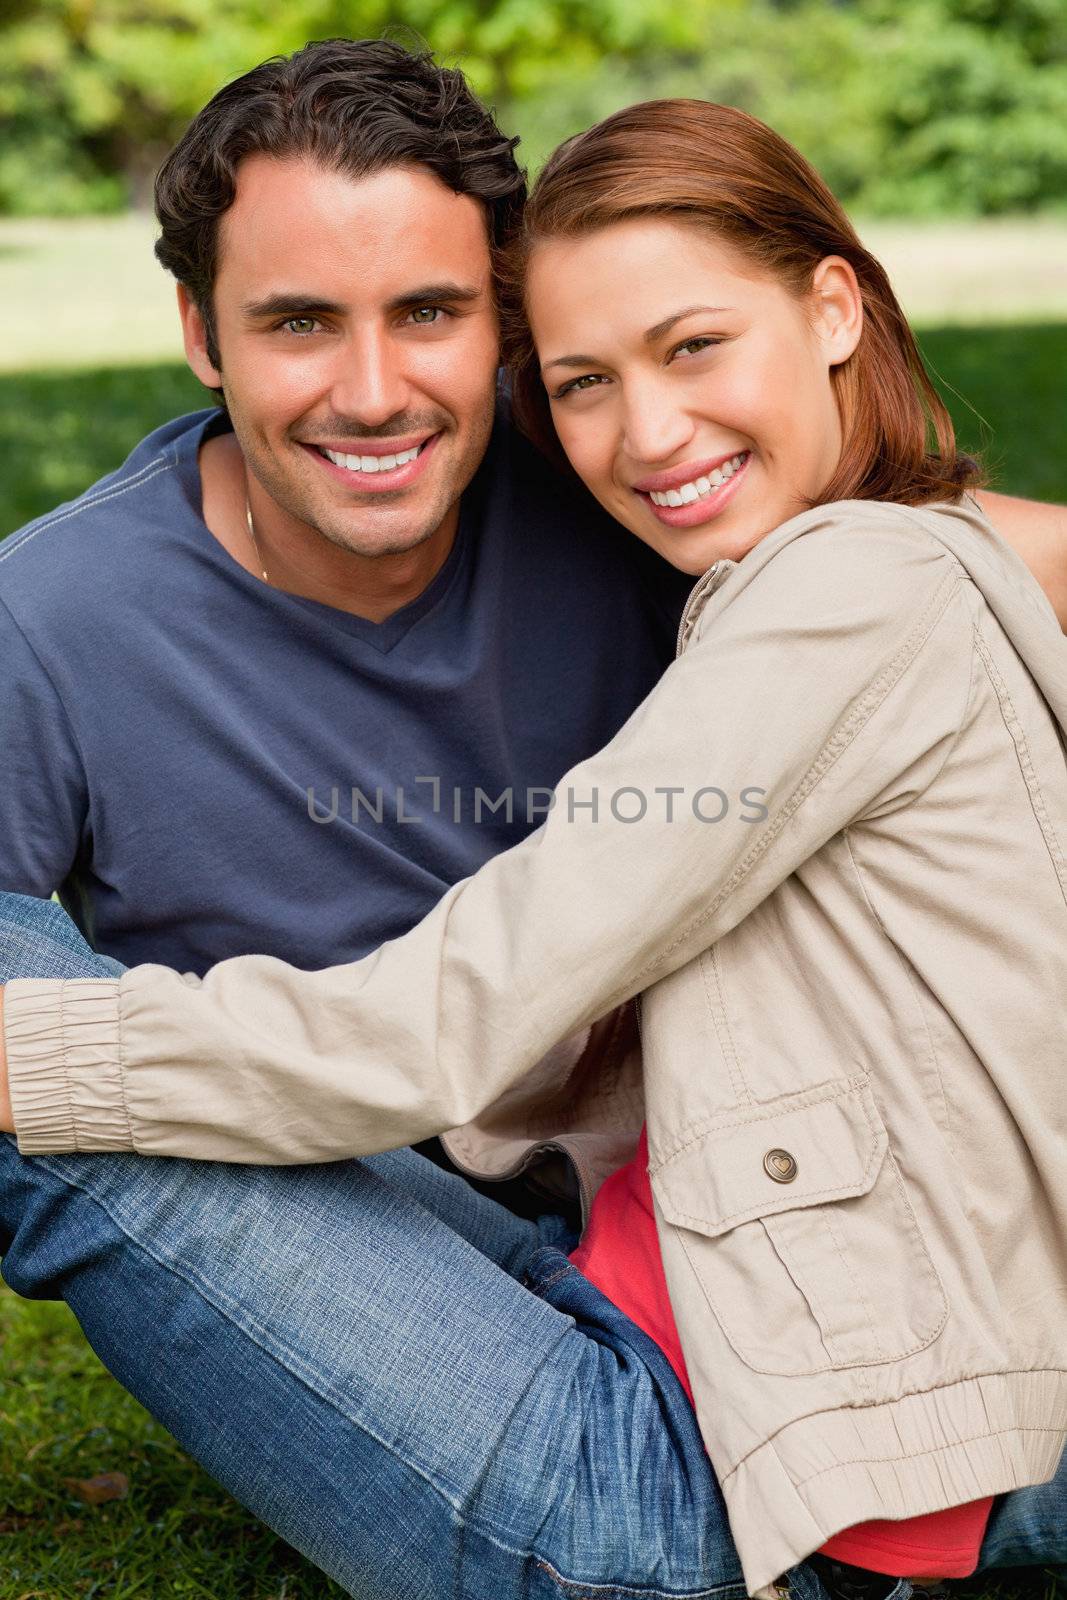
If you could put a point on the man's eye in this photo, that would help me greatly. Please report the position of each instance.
(425, 316)
(588, 380)
(301, 326)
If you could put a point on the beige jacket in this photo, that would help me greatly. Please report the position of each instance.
(853, 1023)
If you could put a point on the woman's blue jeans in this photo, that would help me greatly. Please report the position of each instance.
(411, 1385)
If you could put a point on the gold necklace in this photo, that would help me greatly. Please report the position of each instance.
(255, 541)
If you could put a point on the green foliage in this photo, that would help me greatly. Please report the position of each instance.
(112, 83)
(914, 107)
(906, 106)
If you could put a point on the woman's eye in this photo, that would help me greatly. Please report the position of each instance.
(693, 347)
(588, 380)
(301, 326)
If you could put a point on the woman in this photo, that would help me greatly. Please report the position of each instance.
(804, 850)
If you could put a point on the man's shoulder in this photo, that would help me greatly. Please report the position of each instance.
(80, 547)
(554, 527)
(520, 472)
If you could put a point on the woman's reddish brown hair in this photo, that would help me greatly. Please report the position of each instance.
(717, 168)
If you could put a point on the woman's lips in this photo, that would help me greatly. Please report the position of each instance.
(706, 506)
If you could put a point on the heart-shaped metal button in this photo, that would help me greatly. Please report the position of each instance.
(780, 1165)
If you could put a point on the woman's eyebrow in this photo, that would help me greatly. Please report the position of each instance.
(571, 361)
(652, 334)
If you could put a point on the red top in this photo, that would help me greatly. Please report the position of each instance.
(619, 1252)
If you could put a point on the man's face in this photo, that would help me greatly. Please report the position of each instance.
(358, 346)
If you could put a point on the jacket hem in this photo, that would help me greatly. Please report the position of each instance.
(926, 1452)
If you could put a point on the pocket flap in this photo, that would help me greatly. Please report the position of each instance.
(821, 1145)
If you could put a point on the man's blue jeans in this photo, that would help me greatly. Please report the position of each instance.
(411, 1385)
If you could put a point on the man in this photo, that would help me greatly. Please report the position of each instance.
(234, 631)
(298, 666)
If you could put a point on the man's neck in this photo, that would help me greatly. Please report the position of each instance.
(299, 560)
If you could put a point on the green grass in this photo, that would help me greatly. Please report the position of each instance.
(1005, 388)
(89, 292)
(177, 1533)
(63, 429)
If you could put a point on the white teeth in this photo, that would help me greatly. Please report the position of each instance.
(686, 493)
(372, 463)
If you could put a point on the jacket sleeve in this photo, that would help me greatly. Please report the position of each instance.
(844, 628)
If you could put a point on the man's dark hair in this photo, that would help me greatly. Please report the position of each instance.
(355, 106)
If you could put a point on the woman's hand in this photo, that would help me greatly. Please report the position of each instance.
(7, 1117)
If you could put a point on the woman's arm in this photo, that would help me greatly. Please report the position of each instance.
(1038, 533)
(825, 673)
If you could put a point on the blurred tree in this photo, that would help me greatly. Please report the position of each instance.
(93, 92)
(970, 99)
(906, 106)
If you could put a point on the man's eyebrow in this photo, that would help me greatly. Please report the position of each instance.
(294, 304)
(432, 293)
(650, 336)
(299, 303)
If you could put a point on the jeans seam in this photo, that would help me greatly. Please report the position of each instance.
(456, 1502)
(221, 1307)
(554, 1277)
(579, 1589)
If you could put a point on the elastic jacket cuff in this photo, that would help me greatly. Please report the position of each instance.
(63, 1057)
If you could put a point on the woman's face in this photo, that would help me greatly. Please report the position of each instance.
(690, 390)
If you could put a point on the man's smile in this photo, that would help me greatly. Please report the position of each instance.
(380, 465)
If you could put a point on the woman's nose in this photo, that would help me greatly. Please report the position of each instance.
(655, 429)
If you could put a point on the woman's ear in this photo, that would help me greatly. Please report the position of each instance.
(836, 308)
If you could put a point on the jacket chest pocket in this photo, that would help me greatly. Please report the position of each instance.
(797, 1225)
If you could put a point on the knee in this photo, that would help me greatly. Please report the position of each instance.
(38, 940)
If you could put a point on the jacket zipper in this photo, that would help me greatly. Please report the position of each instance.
(703, 588)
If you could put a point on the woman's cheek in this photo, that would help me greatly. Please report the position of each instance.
(588, 451)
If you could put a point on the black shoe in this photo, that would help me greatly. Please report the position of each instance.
(842, 1582)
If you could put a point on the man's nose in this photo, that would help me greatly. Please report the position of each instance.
(369, 381)
(655, 427)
